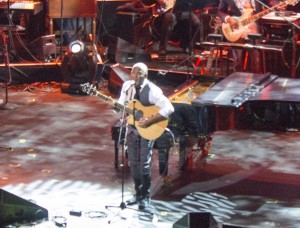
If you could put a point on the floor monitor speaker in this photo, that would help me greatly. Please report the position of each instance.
(130, 53)
(117, 76)
(196, 220)
(14, 209)
(44, 48)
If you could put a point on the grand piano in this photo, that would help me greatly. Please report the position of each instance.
(250, 101)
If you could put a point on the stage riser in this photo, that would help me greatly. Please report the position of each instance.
(30, 73)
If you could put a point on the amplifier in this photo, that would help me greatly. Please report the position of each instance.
(44, 48)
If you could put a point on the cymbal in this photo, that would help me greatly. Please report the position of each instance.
(13, 28)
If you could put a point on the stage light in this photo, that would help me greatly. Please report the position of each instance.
(76, 46)
(79, 65)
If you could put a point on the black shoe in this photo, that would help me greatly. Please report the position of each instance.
(144, 203)
(134, 200)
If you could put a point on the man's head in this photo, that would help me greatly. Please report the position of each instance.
(138, 73)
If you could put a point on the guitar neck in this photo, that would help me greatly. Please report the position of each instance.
(260, 15)
(117, 105)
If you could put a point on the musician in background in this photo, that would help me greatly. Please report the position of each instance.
(161, 23)
(237, 8)
(187, 24)
(190, 24)
(140, 149)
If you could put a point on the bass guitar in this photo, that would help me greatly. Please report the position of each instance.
(135, 110)
(245, 20)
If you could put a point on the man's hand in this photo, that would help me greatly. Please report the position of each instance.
(144, 122)
(147, 121)
(233, 23)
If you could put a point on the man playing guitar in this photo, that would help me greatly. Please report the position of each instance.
(229, 8)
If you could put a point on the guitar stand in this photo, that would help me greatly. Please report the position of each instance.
(215, 39)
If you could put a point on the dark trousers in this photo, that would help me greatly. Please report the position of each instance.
(140, 159)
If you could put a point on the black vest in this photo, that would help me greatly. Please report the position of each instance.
(144, 96)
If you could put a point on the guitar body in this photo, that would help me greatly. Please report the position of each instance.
(242, 31)
(135, 111)
(153, 131)
(246, 22)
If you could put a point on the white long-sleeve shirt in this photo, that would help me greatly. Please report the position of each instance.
(156, 96)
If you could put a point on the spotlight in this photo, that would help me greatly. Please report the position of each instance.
(76, 46)
(78, 66)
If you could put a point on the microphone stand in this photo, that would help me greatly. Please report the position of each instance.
(189, 60)
(294, 41)
(7, 74)
(122, 140)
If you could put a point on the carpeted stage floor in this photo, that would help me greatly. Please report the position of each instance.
(56, 151)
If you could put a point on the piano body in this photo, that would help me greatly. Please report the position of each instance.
(250, 101)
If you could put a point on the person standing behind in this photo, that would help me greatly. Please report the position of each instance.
(156, 20)
(229, 8)
(140, 149)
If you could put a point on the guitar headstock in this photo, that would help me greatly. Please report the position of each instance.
(89, 88)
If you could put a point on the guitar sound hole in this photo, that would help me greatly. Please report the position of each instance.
(138, 114)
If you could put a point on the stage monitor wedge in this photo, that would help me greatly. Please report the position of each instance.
(197, 220)
(14, 209)
(117, 76)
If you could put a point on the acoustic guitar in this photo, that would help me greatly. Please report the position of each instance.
(135, 110)
(244, 22)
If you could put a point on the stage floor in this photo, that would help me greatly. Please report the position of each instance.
(56, 150)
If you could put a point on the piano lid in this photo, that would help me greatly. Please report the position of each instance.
(281, 89)
(235, 89)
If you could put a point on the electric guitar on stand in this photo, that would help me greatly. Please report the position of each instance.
(210, 58)
(244, 22)
(135, 110)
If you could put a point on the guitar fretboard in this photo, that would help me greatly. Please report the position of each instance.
(260, 15)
